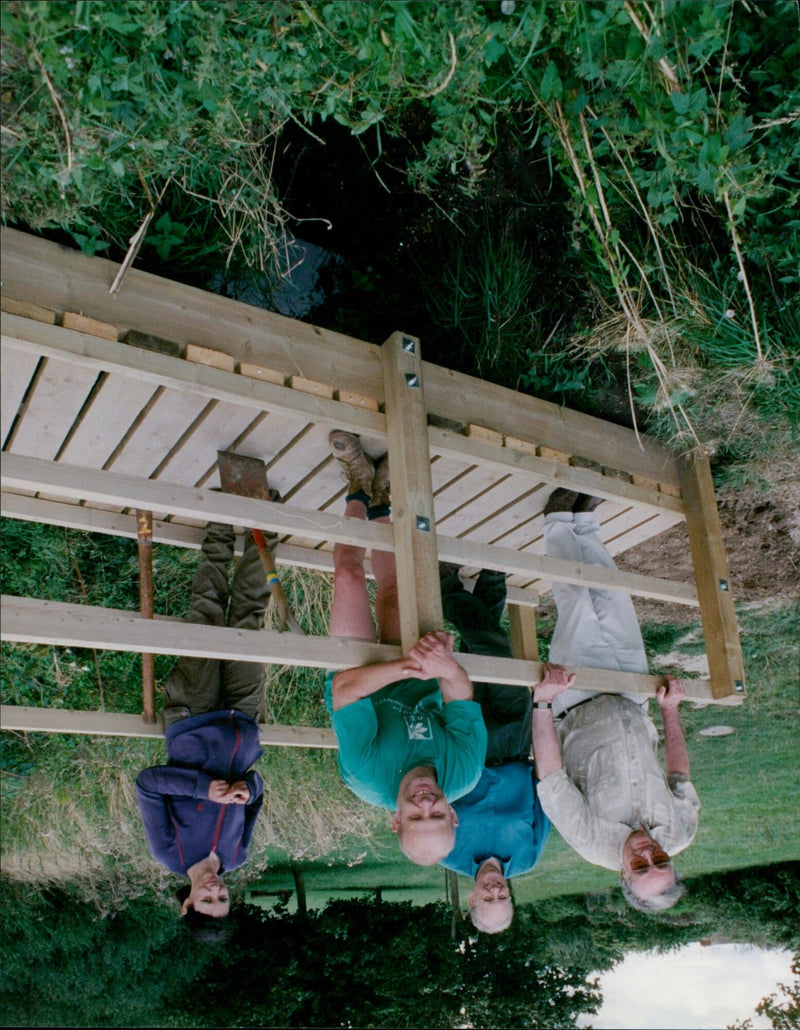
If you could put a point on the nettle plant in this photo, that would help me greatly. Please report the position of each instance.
(672, 127)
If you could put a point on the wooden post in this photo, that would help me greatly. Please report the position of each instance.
(300, 890)
(713, 579)
(522, 624)
(524, 644)
(144, 538)
(419, 596)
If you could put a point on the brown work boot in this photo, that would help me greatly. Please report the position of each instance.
(358, 469)
(560, 500)
(381, 488)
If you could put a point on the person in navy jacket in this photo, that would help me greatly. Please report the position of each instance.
(199, 810)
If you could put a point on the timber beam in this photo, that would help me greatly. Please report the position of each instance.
(72, 481)
(720, 629)
(23, 335)
(115, 724)
(26, 620)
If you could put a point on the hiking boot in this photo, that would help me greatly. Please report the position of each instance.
(358, 469)
(586, 503)
(381, 489)
(560, 500)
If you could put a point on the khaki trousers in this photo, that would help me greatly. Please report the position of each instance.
(198, 685)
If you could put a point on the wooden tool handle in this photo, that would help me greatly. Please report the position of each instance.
(285, 617)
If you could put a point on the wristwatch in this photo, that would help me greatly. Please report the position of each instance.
(542, 704)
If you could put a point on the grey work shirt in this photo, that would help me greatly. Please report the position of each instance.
(612, 781)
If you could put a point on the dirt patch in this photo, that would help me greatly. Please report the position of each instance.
(762, 541)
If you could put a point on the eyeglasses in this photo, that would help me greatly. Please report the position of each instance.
(641, 864)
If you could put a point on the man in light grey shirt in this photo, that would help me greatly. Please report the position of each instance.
(601, 783)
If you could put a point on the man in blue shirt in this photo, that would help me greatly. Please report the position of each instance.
(502, 828)
(411, 739)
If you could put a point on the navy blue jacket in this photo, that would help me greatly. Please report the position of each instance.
(181, 824)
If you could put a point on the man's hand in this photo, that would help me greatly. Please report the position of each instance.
(671, 695)
(431, 657)
(555, 680)
(225, 793)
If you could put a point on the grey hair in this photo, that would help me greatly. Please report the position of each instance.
(658, 902)
(478, 923)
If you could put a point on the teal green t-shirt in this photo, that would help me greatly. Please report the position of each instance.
(402, 726)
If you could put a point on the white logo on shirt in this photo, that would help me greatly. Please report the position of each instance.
(418, 729)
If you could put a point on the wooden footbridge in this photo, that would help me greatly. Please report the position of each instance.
(114, 403)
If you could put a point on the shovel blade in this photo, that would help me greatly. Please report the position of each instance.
(242, 475)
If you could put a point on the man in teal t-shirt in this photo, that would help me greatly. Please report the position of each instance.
(410, 736)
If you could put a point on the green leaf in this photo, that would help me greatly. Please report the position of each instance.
(551, 87)
(493, 49)
(739, 133)
(680, 102)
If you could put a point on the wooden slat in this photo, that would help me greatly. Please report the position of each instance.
(358, 400)
(207, 356)
(69, 481)
(93, 326)
(496, 525)
(414, 520)
(496, 510)
(43, 272)
(516, 673)
(93, 520)
(552, 454)
(155, 435)
(268, 375)
(116, 405)
(484, 433)
(311, 386)
(573, 477)
(720, 628)
(115, 724)
(188, 462)
(52, 406)
(16, 370)
(640, 533)
(534, 565)
(71, 625)
(27, 309)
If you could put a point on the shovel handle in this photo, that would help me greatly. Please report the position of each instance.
(274, 584)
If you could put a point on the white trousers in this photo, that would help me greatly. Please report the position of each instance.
(595, 629)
